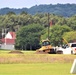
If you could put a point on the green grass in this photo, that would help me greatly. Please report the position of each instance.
(36, 69)
(30, 63)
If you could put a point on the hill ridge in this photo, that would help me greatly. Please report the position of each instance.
(65, 10)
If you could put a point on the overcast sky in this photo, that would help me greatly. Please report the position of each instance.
(30, 3)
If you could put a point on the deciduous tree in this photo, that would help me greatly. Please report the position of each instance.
(29, 36)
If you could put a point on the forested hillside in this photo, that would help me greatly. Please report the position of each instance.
(65, 10)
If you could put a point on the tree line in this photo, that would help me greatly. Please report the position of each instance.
(31, 29)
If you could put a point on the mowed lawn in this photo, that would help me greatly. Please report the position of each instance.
(36, 69)
(30, 63)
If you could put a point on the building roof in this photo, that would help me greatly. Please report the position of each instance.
(8, 41)
(9, 38)
(13, 35)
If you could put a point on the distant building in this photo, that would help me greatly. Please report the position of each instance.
(9, 41)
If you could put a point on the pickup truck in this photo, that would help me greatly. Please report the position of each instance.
(68, 49)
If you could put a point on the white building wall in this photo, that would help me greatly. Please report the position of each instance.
(8, 47)
(8, 36)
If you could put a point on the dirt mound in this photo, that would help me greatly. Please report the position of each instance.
(41, 52)
(16, 52)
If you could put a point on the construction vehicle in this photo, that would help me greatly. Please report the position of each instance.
(46, 47)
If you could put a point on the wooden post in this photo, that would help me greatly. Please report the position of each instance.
(73, 68)
(48, 26)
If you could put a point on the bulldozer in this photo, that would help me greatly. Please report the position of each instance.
(46, 48)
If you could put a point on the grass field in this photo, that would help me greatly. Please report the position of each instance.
(35, 64)
(36, 69)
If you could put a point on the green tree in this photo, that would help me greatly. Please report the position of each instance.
(71, 22)
(56, 33)
(11, 13)
(23, 13)
(29, 36)
(70, 36)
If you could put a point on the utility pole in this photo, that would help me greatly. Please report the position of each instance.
(48, 26)
(5, 36)
(2, 32)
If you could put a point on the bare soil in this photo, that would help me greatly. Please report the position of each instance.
(15, 52)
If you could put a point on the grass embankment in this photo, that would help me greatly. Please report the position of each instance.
(30, 63)
(31, 57)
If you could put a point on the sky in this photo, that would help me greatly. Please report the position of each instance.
(30, 3)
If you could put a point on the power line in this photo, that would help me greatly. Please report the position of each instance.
(36, 2)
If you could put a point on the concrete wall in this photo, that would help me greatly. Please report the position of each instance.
(10, 47)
